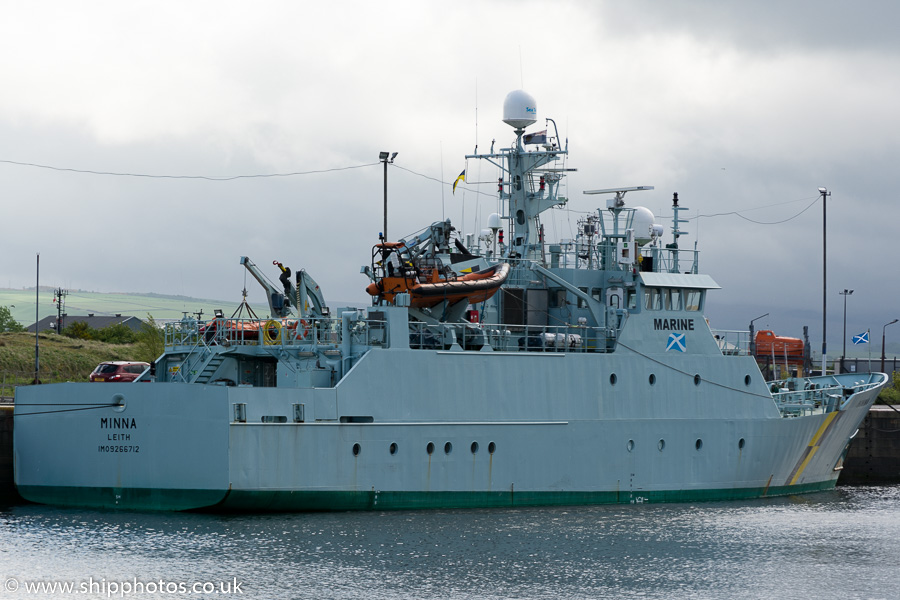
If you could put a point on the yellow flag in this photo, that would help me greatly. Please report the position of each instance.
(462, 177)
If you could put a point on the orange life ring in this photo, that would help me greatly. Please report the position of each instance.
(303, 330)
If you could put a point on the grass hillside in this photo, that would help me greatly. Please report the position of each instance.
(61, 358)
(162, 308)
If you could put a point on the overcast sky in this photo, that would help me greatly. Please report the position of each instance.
(740, 107)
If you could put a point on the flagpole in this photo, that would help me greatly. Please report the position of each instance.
(866, 341)
(845, 293)
(37, 312)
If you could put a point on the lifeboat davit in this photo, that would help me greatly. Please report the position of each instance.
(472, 287)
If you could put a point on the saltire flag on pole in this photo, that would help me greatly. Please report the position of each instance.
(462, 177)
(539, 137)
(862, 338)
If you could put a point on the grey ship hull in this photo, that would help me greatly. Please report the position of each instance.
(502, 430)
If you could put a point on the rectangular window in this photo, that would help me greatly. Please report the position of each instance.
(557, 297)
(631, 300)
(652, 299)
(692, 300)
(673, 299)
(582, 303)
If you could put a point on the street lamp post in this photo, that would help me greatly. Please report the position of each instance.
(845, 293)
(383, 157)
(825, 193)
(882, 342)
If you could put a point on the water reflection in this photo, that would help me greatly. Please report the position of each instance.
(834, 543)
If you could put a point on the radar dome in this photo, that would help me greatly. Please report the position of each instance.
(494, 221)
(519, 109)
(642, 223)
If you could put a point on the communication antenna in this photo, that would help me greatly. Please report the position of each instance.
(476, 116)
(37, 298)
(521, 68)
(59, 298)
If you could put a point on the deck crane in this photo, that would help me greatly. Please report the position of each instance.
(304, 294)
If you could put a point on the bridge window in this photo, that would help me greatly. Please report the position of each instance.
(582, 303)
(652, 299)
(673, 299)
(692, 300)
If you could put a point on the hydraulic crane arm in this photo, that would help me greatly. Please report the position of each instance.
(309, 302)
(279, 304)
(309, 289)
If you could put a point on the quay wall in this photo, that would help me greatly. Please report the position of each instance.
(8, 494)
(874, 455)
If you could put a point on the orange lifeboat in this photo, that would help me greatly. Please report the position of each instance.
(768, 344)
(430, 289)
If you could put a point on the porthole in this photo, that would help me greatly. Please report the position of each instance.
(393, 448)
(661, 444)
(746, 380)
(474, 447)
(492, 447)
(741, 444)
(652, 379)
(697, 379)
(698, 444)
(448, 448)
(613, 379)
(630, 445)
(430, 448)
(356, 449)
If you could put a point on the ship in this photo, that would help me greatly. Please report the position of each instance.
(491, 369)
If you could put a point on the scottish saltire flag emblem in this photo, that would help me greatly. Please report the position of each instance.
(862, 338)
(676, 342)
(539, 137)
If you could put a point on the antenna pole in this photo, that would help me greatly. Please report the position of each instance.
(825, 193)
(37, 297)
(60, 298)
(385, 200)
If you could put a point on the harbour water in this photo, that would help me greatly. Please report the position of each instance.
(838, 544)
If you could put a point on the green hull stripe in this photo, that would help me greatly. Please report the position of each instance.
(274, 500)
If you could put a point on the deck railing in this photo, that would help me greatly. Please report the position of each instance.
(508, 338)
(272, 332)
(802, 397)
(732, 343)
(198, 337)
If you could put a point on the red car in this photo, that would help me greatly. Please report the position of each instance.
(118, 370)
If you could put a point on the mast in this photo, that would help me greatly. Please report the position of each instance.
(526, 187)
